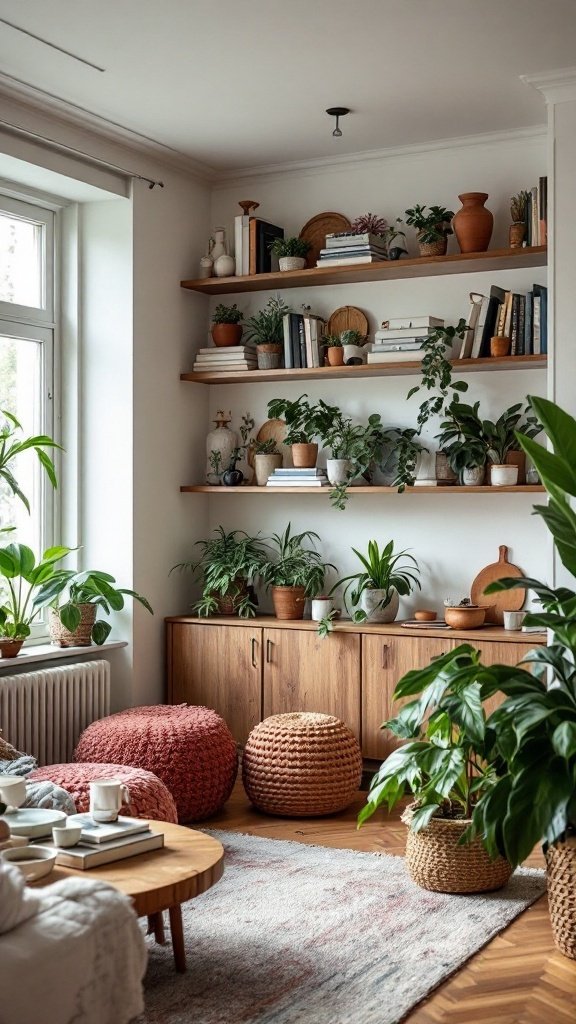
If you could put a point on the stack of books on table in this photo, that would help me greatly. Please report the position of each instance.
(401, 344)
(104, 843)
(297, 478)
(344, 250)
(222, 360)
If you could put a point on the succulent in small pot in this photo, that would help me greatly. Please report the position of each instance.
(432, 227)
(291, 252)
(374, 592)
(228, 565)
(266, 458)
(295, 572)
(226, 326)
(75, 598)
(265, 330)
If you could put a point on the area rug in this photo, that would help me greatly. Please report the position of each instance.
(298, 934)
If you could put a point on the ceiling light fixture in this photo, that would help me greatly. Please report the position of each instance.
(337, 112)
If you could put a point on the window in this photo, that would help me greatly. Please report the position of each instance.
(27, 327)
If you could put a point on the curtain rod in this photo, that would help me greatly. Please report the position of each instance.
(78, 152)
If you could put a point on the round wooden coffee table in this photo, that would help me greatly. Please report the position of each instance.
(188, 865)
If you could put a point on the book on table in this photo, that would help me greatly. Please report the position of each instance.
(104, 831)
(90, 855)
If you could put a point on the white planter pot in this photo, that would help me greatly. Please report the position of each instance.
(370, 603)
(354, 354)
(321, 607)
(503, 476)
(339, 471)
(473, 476)
(291, 263)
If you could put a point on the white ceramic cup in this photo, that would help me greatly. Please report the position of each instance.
(67, 835)
(106, 799)
(12, 791)
(513, 620)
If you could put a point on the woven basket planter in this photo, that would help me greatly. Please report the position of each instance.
(433, 248)
(82, 635)
(435, 860)
(301, 765)
(561, 866)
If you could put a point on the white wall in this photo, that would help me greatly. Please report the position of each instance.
(452, 536)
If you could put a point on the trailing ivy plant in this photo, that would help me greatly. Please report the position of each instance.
(403, 450)
(437, 372)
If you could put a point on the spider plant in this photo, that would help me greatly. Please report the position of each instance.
(227, 565)
(383, 572)
(294, 563)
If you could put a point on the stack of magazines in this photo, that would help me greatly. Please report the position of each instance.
(297, 478)
(104, 843)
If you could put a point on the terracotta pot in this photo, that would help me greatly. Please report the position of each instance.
(370, 603)
(81, 636)
(503, 476)
(462, 617)
(264, 466)
(304, 455)
(516, 235)
(445, 476)
(10, 648)
(335, 355)
(499, 346)
(433, 248)
(517, 459)
(269, 356)
(473, 223)
(288, 602)
(224, 335)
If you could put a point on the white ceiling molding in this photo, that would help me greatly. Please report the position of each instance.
(78, 117)
(556, 86)
(326, 165)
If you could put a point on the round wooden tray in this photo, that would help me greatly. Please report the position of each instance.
(505, 600)
(348, 318)
(316, 229)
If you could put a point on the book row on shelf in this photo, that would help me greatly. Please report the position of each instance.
(253, 238)
(536, 213)
(518, 316)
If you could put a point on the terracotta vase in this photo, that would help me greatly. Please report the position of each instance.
(335, 355)
(499, 346)
(288, 602)
(304, 455)
(473, 223)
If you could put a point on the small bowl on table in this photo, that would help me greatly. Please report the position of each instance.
(33, 861)
(465, 616)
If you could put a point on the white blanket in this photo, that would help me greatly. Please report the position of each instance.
(79, 959)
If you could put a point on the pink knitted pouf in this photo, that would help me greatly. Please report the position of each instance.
(190, 748)
(149, 797)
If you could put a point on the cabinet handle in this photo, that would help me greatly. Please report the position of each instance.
(253, 652)
(269, 646)
(385, 655)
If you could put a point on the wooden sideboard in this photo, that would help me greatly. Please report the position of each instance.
(248, 669)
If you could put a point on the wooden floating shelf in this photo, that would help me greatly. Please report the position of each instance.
(210, 489)
(367, 370)
(386, 270)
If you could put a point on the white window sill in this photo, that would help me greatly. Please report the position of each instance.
(46, 652)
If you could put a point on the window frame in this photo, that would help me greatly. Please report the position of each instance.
(46, 313)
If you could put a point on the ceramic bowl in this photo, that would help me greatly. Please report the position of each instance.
(33, 861)
(425, 615)
(465, 616)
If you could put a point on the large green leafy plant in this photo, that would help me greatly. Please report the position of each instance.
(267, 326)
(304, 420)
(27, 587)
(362, 445)
(382, 570)
(12, 444)
(68, 590)
(228, 563)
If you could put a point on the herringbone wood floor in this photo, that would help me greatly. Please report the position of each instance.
(518, 978)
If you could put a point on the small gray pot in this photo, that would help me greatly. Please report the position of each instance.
(370, 603)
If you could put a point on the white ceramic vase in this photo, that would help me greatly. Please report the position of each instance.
(339, 471)
(218, 244)
(222, 440)
(503, 476)
(224, 266)
(354, 355)
(473, 476)
(321, 607)
(370, 602)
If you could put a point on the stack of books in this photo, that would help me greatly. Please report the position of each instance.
(104, 843)
(298, 478)
(252, 240)
(400, 339)
(233, 357)
(343, 250)
(537, 214)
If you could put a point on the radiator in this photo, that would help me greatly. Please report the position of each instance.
(43, 713)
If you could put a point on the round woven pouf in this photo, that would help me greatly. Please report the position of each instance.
(301, 765)
(149, 797)
(191, 749)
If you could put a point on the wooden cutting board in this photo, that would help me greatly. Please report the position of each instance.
(348, 318)
(506, 600)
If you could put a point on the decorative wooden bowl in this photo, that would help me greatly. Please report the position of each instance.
(465, 616)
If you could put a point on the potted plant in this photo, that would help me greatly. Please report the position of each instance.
(462, 440)
(12, 445)
(75, 597)
(25, 592)
(265, 330)
(447, 764)
(226, 326)
(432, 227)
(267, 458)
(353, 347)
(227, 567)
(304, 422)
(353, 451)
(334, 350)
(517, 230)
(295, 572)
(401, 456)
(507, 462)
(291, 252)
(375, 592)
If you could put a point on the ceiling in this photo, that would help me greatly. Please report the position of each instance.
(237, 84)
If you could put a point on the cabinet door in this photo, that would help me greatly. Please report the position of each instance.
(505, 653)
(219, 667)
(305, 673)
(385, 659)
